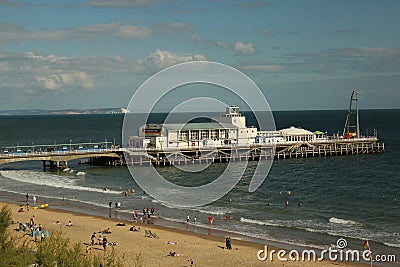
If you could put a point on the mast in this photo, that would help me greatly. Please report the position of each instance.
(351, 127)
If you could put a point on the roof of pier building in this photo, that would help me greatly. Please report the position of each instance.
(199, 126)
(295, 131)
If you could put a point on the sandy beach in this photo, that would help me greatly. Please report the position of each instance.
(204, 250)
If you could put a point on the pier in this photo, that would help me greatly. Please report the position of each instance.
(226, 139)
(106, 154)
(328, 147)
(58, 156)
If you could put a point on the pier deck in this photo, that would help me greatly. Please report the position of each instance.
(172, 156)
(322, 148)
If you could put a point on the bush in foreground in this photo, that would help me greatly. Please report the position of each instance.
(54, 251)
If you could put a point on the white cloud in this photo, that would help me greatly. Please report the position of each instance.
(35, 72)
(162, 59)
(174, 27)
(238, 46)
(264, 68)
(10, 33)
(244, 48)
(196, 37)
(222, 44)
(131, 32)
(373, 52)
(58, 81)
(123, 3)
(116, 29)
(266, 31)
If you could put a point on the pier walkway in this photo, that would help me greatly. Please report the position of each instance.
(59, 155)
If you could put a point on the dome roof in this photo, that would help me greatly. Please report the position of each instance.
(295, 131)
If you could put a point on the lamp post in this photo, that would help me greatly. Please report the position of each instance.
(70, 145)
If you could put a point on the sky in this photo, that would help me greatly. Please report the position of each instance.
(303, 55)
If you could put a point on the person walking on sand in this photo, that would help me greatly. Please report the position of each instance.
(34, 200)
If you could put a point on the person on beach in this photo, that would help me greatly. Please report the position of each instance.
(69, 223)
(187, 218)
(194, 220)
(42, 236)
(134, 217)
(34, 200)
(27, 197)
(152, 211)
(93, 238)
(110, 204)
(210, 220)
(228, 242)
(148, 213)
(174, 254)
(105, 243)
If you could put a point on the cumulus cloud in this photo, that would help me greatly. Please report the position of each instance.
(34, 72)
(57, 81)
(244, 48)
(222, 44)
(238, 47)
(162, 59)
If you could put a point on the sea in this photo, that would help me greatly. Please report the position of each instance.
(354, 197)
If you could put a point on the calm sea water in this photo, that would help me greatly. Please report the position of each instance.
(353, 197)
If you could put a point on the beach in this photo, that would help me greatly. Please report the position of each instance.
(202, 249)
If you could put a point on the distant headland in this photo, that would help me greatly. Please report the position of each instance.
(64, 111)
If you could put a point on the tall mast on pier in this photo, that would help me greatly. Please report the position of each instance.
(351, 127)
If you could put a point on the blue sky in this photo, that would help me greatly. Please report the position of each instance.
(302, 54)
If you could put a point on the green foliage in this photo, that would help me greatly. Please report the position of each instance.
(55, 250)
(5, 219)
(109, 259)
(12, 255)
(138, 261)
